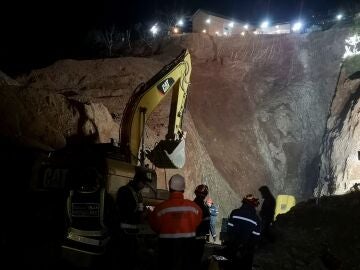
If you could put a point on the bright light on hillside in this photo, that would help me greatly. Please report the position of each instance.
(180, 22)
(208, 21)
(339, 17)
(154, 29)
(204, 31)
(264, 24)
(246, 26)
(231, 24)
(352, 46)
(297, 27)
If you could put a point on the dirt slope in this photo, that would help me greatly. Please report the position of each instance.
(260, 104)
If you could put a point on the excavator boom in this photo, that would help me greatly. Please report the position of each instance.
(170, 152)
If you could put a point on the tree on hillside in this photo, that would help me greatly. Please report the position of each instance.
(110, 40)
(110, 37)
(170, 17)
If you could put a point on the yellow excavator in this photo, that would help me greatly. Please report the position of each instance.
(117, 161)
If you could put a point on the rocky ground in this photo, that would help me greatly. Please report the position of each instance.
(340, 167)
(316, 235)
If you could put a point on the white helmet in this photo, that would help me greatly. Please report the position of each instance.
(177, 183)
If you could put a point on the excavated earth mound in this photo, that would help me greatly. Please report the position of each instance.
(316, 235)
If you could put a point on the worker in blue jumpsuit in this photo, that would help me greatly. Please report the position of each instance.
(213, 216)
(244, 233)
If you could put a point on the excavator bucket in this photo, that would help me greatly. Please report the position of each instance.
(168, 154)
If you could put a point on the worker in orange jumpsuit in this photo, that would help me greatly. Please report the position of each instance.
(175, 221)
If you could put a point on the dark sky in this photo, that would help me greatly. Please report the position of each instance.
(33, 30)
(243, 9)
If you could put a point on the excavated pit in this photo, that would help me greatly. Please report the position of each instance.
(259, 110)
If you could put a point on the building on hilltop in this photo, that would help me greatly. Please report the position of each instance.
(213, 24)
(218, 25)
(276, 29)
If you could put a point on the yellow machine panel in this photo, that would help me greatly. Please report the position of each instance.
(283, 204)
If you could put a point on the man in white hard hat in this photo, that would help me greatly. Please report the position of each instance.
(175, 221)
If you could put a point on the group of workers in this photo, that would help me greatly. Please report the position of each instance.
(182, 225)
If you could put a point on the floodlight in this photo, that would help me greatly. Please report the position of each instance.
(180, 22)
(154, 29)
(297, 26)
(264, 24)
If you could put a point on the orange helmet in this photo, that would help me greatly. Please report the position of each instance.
(202, 190)
(250, 199)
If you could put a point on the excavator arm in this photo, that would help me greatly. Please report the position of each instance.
(170, 152)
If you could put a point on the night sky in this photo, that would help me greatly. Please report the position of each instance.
(34, 32)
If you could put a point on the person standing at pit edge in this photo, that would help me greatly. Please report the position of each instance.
(244, 233)
(202, 232)
(213, 215)
(175, 221)
(267, 213)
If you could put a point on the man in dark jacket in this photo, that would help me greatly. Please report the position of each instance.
(267, 213)
(244, 233)
(202, 231)
(129, 201)
(130, 210)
